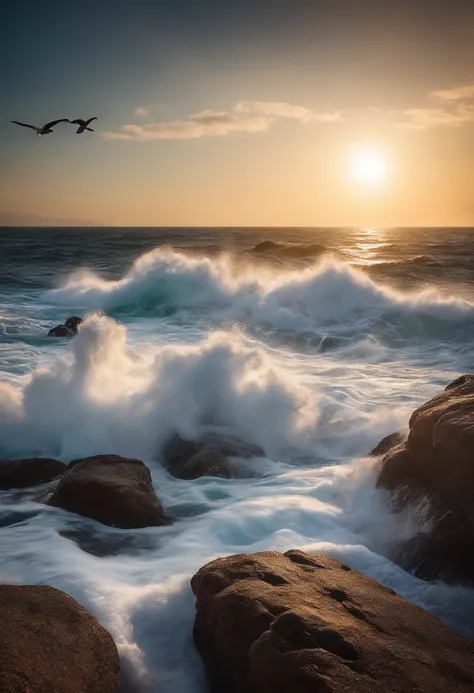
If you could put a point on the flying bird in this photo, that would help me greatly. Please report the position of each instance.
(83, 125)
(46, 129)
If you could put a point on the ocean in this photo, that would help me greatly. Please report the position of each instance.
(313, 348)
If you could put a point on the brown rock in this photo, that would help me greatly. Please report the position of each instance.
(114, 490)
(209, 456)
(437, 461)
(389, 442)
(51, 644)
(29, 472)
(306, 623)
(206, 463)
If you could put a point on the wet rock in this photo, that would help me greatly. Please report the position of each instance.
(436, 462)
(29, 472)
(60, 331)
(388, 443)
(289, 251)
(73, 323)
(69, 329)
(114, 490)
(297, 622)
(205, 463)
(49, 643)
(188, 459)
(265, 246)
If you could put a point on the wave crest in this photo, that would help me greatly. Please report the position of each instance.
(106, 398)
(327, 293)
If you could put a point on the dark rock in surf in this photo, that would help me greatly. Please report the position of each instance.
(189, 459)
(29, 472)
(436, 462)
(60, 331)
(265, 246)
(205, 463)
(49, 643)
(388, 443)
(69, 329)
(298, 622)
(289, 251)
(116, 491)
(73, 323)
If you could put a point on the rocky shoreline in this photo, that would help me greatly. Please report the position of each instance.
(268, 621)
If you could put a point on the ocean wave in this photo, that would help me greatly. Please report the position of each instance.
(330, 293)
(107, 398)
(417, 261)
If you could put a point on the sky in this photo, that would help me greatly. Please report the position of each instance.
(239, 112)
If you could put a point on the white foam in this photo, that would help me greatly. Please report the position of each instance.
(106, 397)
(328, 293)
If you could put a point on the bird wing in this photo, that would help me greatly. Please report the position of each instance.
(55, 122)
(25, 125)
(90, 120)
(78, 121)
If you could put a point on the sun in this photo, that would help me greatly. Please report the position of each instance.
(368, 166)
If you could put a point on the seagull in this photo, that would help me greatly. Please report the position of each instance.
(83, 125)
(46, 129)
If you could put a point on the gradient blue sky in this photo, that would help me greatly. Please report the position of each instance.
(287, 88)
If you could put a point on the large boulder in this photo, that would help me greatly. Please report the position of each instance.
(436, 462)
(49, 643)
(29, 472)
(209, 456)
(116, 491)
(297, 622)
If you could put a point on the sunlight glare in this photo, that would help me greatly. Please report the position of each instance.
(368, 166)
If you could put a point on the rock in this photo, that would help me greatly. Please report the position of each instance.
(188, 459)
(436, 462)
(205, 463)
(265, 246)
(289, 251)
(29, 472)
(440, 554)
(69, 329)
(60, 331)
(73, 323)
(114, 490)
(51, 644)
(389, 442)
(306, 623)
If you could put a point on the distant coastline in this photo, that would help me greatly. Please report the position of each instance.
(9, 219)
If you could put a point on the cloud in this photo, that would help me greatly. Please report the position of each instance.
(283, 109)
(140, 112)
(457, 109)
(205, 124)
(422, 118)
(278, 109)
(246, 116)
(459, 94)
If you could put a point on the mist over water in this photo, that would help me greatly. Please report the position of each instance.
(314, 358)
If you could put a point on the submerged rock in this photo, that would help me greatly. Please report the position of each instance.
(116, 491)
(188, 459)
(49, 643)
(69, 329)
(436, 462)
(29, 472)
(297, 622)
